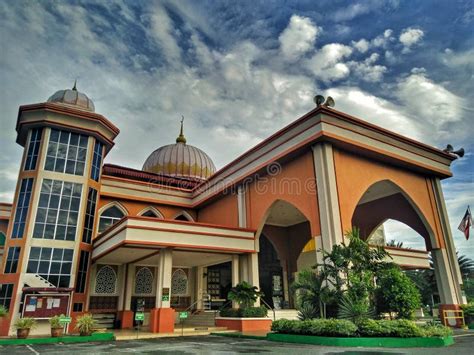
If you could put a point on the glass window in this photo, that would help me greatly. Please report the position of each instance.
(6, 291)
(90, 214)
(13, 256)
(97, 160)
(82, 272)
(66, 153)
(58, 210)
(33, 149)
(109, 216)
(22, 208)
(52, 264)
(149, 213)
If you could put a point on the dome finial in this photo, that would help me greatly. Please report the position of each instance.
(74, 87)
(181, 138)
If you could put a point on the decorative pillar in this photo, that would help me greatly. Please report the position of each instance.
(125, 300)
(253, 272)
(199, 286)
(331, 231)
(162, 317)
(235, 275)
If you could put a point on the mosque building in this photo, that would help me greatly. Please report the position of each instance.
(86, 237)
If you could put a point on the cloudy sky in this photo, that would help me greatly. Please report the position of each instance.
(240, 70)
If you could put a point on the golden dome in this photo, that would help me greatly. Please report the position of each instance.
(180, 159)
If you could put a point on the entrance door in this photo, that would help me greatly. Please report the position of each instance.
(270, 273)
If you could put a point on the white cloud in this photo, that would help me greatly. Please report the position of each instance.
(351, 11)
(361, 45)
(298, 37)
(367, 70)
(409, 37)
(382, 40)
(326, 64)
(164, 33)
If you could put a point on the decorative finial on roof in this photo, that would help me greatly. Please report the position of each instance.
(74, 87)
(181, 138)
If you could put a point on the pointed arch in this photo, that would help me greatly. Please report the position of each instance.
(106, 281)
(183, 216)
(144, 281)
(179, 283)
(151, 211)
(385, 200)
(111, 214)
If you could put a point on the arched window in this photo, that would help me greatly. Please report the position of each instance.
(2, 238)
(144, 281)
(183, 216)
(110, 216)
(149, 213)
(106, 281)
(179, 283)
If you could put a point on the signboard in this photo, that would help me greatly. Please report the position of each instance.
(45, 305)
(64, 320)
(165, 294)
(140, 316)
(165, 298)
(183, 315)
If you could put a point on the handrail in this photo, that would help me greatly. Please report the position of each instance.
(269, 307)
(195, 303)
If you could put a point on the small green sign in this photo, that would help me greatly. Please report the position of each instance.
(65, 320)
(165, 298)
(183, 315)
(139, 316)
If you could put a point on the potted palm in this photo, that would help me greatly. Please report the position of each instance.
(23, 326)
(56, 326)
(3, 312)
(85, 324)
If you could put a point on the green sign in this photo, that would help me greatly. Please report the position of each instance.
(139, 316)
(165, 298)
(65, 320)
(183, 315)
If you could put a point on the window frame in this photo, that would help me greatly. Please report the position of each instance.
(6, 294)
(22, 208)
(97, 160)
(50, 260)
(12, 260)
(33, 149)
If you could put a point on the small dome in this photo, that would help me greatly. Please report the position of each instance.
(72, 97)
(180, 159)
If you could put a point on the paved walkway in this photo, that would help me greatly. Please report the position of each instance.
(223, 345)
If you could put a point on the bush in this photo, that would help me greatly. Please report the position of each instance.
(25, 323)
(307, 311)
(3, 311)
(468, 309)
(436, 331)
(54, 322)
(354, 310)
(321, 327)
(251, 312)
(396, 292)
(400, 328)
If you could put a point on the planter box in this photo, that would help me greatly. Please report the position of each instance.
(62, 339)
(365, 342)
(245, 324)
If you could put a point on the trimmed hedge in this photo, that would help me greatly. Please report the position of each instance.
(250, 312)
(369, 328)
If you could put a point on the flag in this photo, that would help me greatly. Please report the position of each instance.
(466, 223)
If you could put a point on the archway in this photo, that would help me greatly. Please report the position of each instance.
(284, 234)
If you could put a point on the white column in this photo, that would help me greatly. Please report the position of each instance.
(235, 275)
(241, 207)
(451, 269)
(253, 272)
(129, 286)
(123, 278)
(244, 268)
(165, 265)
(331, 233)
(199, 286)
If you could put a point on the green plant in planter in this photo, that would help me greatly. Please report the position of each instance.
(23, 326)
(354, 310)
(56, 326)
(85, 324)
(3, 311)
(244, 294)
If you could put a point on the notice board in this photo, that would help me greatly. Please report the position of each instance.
(45, 305)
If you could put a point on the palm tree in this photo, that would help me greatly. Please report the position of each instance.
(394, 243)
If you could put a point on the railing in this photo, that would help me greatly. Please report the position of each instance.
(269, 307)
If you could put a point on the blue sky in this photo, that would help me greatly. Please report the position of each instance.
(240, 70)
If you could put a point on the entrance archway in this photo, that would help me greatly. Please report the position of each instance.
(285, 232)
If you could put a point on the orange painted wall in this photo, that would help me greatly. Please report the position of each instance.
(135, 207)
(223, 211)
(355, 174)
(295, 184)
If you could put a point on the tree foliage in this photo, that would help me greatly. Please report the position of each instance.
(244, 294)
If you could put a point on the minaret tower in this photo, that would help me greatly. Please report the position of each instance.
(48, 243)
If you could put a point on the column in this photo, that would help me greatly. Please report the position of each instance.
(253, 272)
(331, 233)
(125, 300)
(235, 275)
(199, 286)
(243, 268)
(162, 316)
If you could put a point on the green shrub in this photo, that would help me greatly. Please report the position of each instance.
(375, 328)
(250, 312)
(307, 311)
(354, 310)
(321, 327)
(436, 331)
(3, 311)
(468, 309)
(400, 328)
(25, 323)
(54, 322)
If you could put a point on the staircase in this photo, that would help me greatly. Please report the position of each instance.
(291, 314)
(104, 320)
(201, 319)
